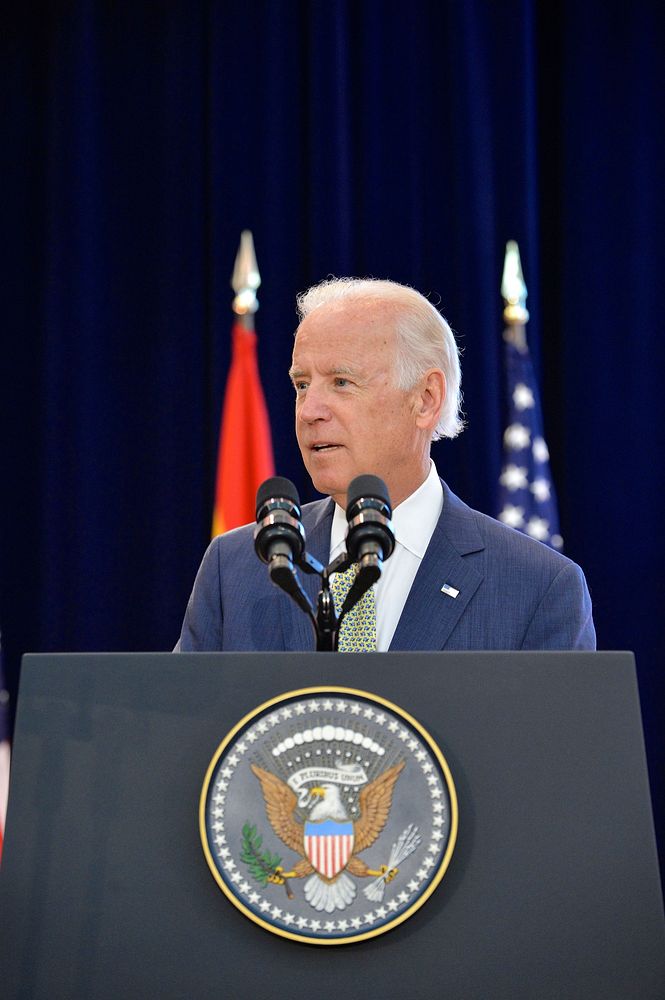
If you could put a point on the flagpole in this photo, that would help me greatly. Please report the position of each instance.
(245, 456)
(514, 292)
(245, 280)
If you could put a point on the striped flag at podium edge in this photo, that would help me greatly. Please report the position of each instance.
(526, 496)
(5, 753)
(245, 456)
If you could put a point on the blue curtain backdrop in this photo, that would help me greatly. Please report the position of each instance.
(368, 137)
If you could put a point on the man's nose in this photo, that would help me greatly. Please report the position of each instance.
(312, 406)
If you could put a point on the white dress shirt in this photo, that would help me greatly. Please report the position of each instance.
(414, 521)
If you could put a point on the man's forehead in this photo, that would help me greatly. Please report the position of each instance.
(367, 309)
(299, 368)
(351, 330)
(355, 352)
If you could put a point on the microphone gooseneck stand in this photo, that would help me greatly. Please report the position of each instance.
(327, 622)
(279, 541)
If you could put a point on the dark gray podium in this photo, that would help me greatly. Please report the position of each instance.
(552, 891)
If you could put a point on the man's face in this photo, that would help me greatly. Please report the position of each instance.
(350, 417)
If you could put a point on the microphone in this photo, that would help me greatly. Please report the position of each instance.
(370, 538)
(279, 536)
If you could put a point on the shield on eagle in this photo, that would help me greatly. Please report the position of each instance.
(329, 845)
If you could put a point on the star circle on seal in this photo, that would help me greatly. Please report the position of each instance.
(328, 815)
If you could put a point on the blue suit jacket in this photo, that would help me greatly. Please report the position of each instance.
(514, 592)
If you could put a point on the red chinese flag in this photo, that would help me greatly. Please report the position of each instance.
(245, 456)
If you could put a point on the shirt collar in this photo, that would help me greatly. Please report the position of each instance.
(414, 520)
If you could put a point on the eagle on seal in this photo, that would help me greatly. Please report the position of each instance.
(329, 841)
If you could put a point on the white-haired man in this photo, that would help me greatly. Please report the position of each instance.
(376, 375)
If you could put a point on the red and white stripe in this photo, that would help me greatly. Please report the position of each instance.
(329, 853)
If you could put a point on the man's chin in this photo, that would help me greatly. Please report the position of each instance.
(330, 473)
(329, 490)
(334, 487)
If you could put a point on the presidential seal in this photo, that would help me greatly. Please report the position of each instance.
(328, 815)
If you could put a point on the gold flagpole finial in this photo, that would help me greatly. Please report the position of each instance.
(513, 290)
(246, 278)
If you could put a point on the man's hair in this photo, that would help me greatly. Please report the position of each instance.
(424, 339)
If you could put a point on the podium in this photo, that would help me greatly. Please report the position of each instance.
(552, 889)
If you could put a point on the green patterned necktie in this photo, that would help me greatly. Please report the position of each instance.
(357, 632)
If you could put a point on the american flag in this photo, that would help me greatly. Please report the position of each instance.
(526, 496)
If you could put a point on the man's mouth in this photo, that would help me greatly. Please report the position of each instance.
(323, 447)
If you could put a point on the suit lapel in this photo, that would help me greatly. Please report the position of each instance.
(430, 615)
(317, 521)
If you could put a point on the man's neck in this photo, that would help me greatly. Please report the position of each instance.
(397, 493)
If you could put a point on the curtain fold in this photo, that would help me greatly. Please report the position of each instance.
(362, 138)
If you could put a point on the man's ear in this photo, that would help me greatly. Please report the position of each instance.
(430, 399)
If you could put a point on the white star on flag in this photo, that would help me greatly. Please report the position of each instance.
(538, 528)
(517, 436)
(514, 477)
(512, 516)
(541, 489)
(523, 397)
(540, 450)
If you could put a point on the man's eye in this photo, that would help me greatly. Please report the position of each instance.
(300, 386)
(341, 382)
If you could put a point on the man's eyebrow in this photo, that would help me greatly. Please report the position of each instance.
(296, 373)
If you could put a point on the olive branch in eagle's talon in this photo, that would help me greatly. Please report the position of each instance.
(263, 866)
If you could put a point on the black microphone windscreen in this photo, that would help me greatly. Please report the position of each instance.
(276, 486)
(367, 486)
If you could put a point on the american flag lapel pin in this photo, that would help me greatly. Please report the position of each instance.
(449, 591)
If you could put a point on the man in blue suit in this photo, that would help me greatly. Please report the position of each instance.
(376, 375)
